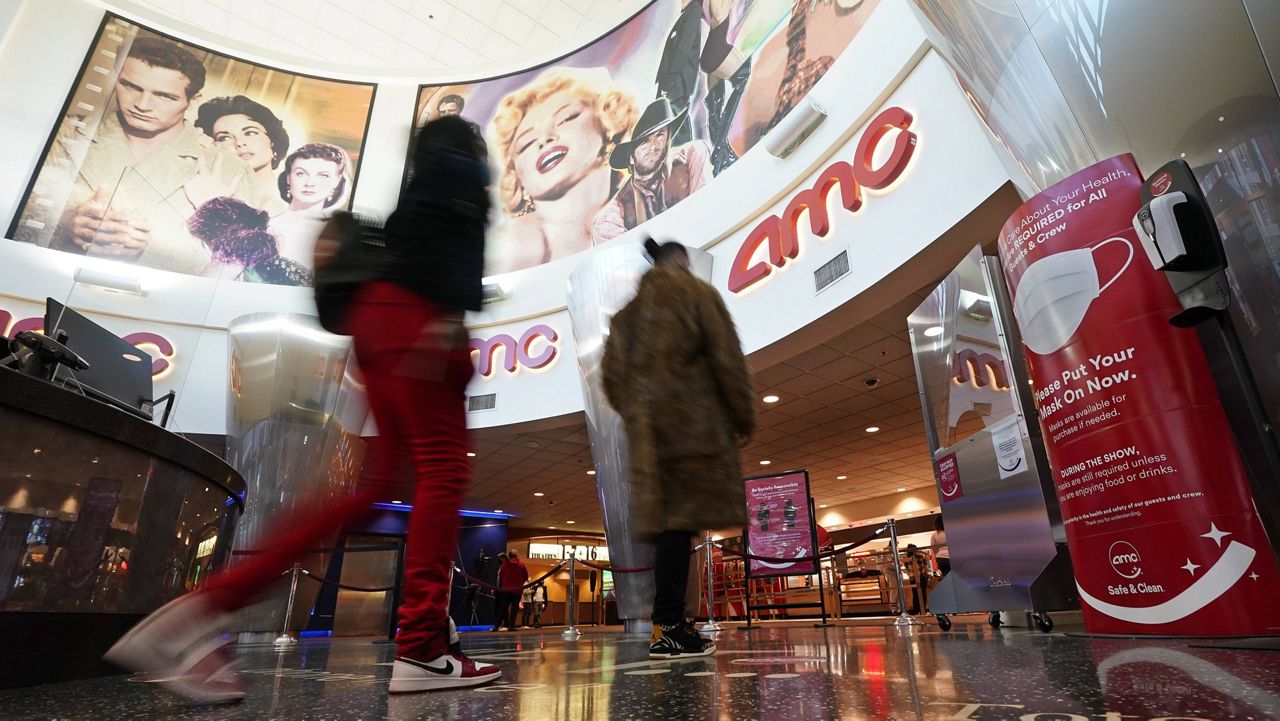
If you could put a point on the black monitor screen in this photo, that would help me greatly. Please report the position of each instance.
(118, 372)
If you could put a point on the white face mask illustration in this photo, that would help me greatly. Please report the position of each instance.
(1055, 292)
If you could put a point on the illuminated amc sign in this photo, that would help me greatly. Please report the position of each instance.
(535, 349)
(160, 348)
(980, 370)
(781, 233)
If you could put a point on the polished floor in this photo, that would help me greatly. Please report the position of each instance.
(777, 672)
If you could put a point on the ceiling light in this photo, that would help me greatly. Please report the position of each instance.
(95, 460)
(822, 505)
(552, 527)
(765, 463)
(36, 451)
(471, 455)
(841, 478)
(570, 521)
(1221, 118)
(770, 399)
(538, 494)
(397, 502)
(902, 490)
(933, 332)
(591, 473)
(497, 510)
(872, 429)
(1182, 155)
(1219, 150)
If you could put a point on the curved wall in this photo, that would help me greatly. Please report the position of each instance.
(902, 237)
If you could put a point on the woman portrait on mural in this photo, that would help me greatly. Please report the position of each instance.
(252, 132)
(553, 138)
(313, 182)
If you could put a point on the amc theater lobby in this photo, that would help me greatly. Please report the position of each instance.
(709, 360)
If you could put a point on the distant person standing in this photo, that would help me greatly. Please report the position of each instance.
(512, 576)
(674, 370)
(938, 540)
(539, 603)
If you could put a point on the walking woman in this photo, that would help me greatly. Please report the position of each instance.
(412, 349)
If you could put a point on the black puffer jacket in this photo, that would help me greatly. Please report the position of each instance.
(437, 232)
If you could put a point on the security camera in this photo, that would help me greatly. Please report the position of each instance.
(871, 382)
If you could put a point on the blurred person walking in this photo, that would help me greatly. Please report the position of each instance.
(412, 349)
(674, 370)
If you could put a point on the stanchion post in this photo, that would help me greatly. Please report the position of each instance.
(286, 639)
(903, 619)
(572, 633)
(710, 626)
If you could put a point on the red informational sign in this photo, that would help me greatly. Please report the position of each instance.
(779, 525)
(1157, 508)
(949, 478)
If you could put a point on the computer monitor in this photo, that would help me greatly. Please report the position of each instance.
(118, 372)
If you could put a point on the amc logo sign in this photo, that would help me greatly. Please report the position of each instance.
(535, 350)
(161, 349)
(781, 233)
(979, 370)
(1125, 559)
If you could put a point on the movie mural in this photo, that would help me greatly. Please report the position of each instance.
(174, 157)
(597, 143)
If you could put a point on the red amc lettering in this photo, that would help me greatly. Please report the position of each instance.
(516, 354)
(980, 369)
(539, 332)
(903, 148)
(783, 233)
(163, 349)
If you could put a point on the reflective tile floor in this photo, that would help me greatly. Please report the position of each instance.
(788, 673)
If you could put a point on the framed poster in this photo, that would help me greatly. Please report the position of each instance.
(780, 525)
(172, 156)
(592, 145)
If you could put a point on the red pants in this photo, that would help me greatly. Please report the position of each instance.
(416, 368)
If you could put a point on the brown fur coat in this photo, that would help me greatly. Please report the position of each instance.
(674, 370)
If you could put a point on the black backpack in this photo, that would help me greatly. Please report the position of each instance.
(359, 255)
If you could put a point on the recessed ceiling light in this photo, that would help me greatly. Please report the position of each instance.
(36, 451)
(470, 455)
(538, 494)
(765, 463)
(591, 473)
(1182, 155)
(841, 478)
(1219, 150)
(873, 429)
(822, 505)
(95, 460)
(933, 332)
(552, 527)
(570, 521)
(397, 502)
(1221, 118)
(902, 490)
(770, 399)
(497, 510)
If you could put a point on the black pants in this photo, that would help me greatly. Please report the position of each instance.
(504, 608)
(944, 565)
(671, 576)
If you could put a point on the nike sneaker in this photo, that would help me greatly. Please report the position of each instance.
(679, 640)
(449, 671)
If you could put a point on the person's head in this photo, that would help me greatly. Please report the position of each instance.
(156, 85)
(234, 231)
(313, 174)
(669, 254)
(513, 555)
(650, 153)
(912, 549)
(450, 105)
(555, 132)
(245, 127)
(937, 523)
(448, 134)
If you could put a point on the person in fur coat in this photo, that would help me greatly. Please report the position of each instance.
(674, 371)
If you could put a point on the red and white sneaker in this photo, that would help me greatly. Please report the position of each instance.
(448, 671)
(180, 647)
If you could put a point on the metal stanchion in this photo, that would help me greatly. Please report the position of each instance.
(572, 633)
(710, 626)
(286, 639)
(903, 620)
